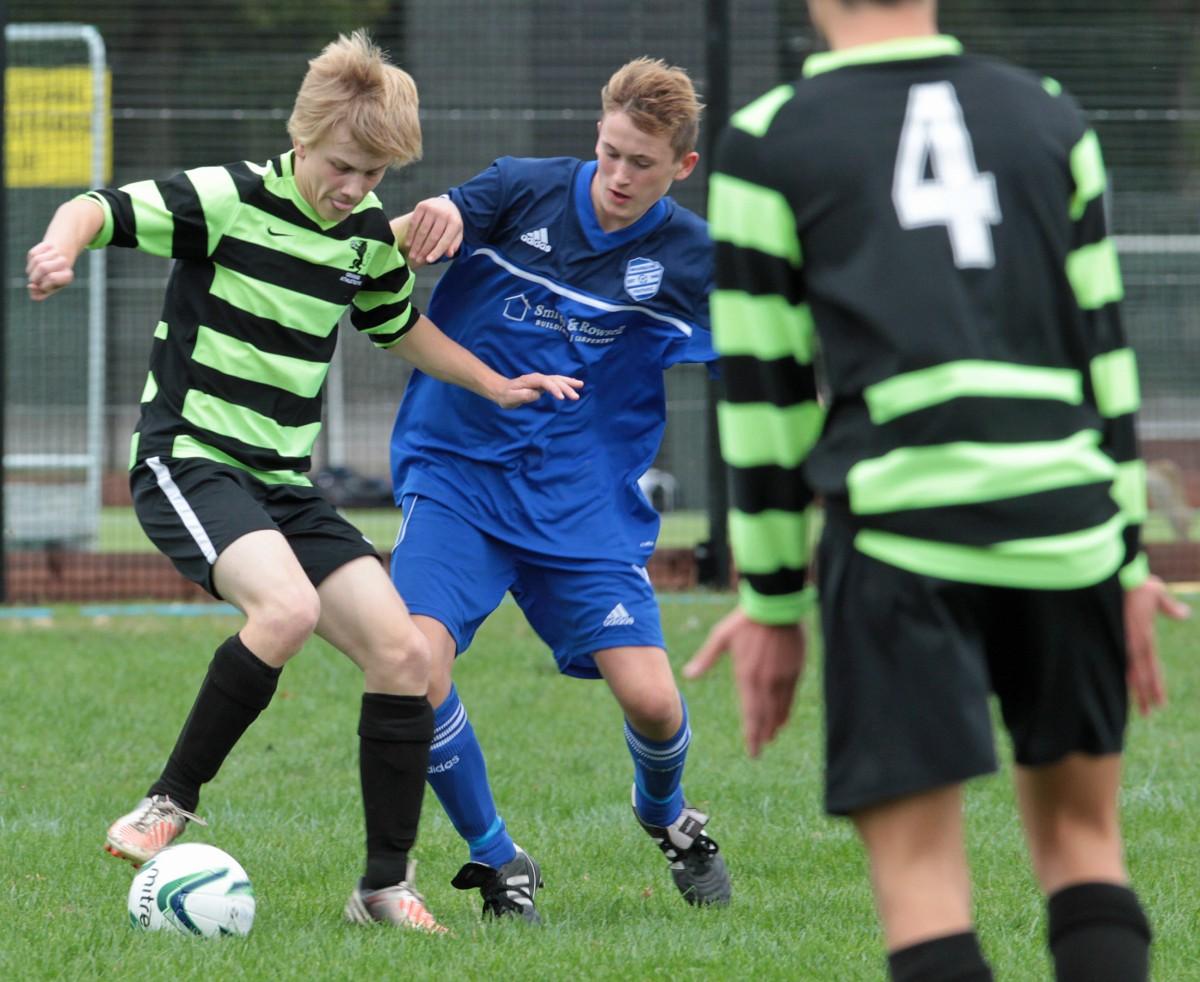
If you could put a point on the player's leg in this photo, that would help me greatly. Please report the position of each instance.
(452, 577)
(601, 619)
(259, 575)
(906, 690)
(210, 521)
(363, 617)
(1097, 928)
(506, 876)
(921, 884)
(1062, 691)
(1069, 810)
(656, 727)
(457, 769)
(658, 735)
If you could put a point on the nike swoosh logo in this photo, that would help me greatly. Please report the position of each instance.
(271, 231)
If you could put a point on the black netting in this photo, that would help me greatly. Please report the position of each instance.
(210, 83)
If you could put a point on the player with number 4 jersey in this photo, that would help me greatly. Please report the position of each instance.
(1022, 376)
(917, 309)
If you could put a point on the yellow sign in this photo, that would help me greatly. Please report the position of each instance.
(48, 127)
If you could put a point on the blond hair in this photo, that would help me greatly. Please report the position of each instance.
(353, 81)
(658, 98)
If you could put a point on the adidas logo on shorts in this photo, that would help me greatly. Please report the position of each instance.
(618, 617)
(539, 238)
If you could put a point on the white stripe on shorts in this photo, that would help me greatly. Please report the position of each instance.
(168, 487)
(408, 514)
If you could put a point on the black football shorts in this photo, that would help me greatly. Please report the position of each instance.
(911, 662)
(192, 509)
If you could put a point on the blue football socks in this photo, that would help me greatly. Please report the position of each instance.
(658, 773)
(458, 775)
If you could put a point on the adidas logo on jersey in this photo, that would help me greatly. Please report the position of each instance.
(539, 238)
(618, 617)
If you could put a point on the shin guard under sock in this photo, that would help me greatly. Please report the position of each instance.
(953, 958)
(238, 686)
(458, 776)
(394, 734)
(1098, 932)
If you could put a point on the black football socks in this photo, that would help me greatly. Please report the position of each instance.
(1098, 932)
(954, 958)
(394, 736)
(238, 686)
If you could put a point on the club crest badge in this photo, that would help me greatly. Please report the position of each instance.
(353, 276)
(643, 277)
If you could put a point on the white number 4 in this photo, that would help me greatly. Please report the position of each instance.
(956, 195)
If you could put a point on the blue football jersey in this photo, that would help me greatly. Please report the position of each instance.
(538, 286)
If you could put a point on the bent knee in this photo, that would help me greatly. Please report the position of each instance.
(289, 617)
(400, 659)
(655, 713)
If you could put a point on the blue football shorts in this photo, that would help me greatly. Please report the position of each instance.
(446, 568)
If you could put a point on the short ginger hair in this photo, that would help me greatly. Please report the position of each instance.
(658, 98)
(353, 81)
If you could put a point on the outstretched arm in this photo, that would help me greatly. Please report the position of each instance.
(50, 265)
(427, 348)
(433, 230)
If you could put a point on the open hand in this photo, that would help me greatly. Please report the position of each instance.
(1147, 684)
(527, 388)
(768, 660)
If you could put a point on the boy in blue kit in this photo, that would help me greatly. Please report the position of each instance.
(588, 268)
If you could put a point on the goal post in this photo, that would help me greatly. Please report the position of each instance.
(57, 125)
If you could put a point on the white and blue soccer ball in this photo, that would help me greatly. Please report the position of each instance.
(192, 888)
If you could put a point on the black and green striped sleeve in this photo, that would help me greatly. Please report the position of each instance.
(1095, 277)
(383, 308)
(768, 415)
(181, 217)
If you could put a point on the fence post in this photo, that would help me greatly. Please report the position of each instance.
(4, 304)
(712, 556)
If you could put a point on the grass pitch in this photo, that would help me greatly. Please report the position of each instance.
(90, 708)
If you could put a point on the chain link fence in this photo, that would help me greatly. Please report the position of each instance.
(181, 87)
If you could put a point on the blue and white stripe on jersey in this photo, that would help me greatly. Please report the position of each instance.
(683, 326)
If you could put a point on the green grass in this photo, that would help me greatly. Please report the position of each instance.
(120, 532)
(89, 709)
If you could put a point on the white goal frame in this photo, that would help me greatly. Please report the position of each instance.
(43, 521)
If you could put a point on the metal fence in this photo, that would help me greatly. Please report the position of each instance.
(184, 86)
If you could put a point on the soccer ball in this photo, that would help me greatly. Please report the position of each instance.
(192, 888)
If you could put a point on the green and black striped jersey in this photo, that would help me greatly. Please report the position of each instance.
(917, 309)
(250, 318)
